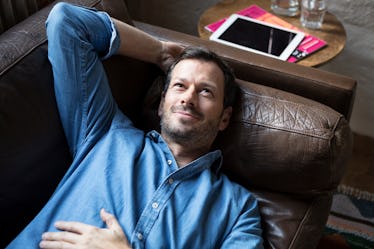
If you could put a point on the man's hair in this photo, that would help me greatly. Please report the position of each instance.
(199, 53)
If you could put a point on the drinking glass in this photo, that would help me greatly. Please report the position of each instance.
(312, 13)
(285, 7)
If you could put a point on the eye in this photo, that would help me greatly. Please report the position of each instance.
(178, 85)
(206, 92)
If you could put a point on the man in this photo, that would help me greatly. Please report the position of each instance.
(160, 191)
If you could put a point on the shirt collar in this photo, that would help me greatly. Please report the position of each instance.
(212, 159)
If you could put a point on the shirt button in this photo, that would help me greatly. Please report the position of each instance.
(169, 162)
(155, 205)
(140, 236)
(171, 180)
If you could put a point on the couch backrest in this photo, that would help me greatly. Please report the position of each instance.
(285, 143)
(13, 12)
(20, 40)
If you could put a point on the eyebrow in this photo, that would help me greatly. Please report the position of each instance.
(204, 83)
(209, 85)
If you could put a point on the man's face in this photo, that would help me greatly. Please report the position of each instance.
(192, 109)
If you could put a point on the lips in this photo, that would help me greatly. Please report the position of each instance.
(187, 111)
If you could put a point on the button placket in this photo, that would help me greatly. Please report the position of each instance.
(171, 181)
(155, 205)
(151, 212)
(139, 236)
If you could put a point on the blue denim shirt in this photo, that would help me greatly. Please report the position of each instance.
(131, 174)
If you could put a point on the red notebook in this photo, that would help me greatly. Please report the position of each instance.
(309, 44)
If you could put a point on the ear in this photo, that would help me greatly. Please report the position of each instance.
(161, 105)
(225, 119)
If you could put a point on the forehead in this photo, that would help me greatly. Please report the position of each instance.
(198, 70)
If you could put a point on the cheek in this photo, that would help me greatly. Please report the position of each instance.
(225, 119)
(161, 106)
(210, 108)
(160, 110)
(164, 105)
(170, 100)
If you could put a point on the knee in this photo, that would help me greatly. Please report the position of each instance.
(59, 16)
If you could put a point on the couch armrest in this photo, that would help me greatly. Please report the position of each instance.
(331, 89)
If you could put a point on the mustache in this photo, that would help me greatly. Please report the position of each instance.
(188, 109)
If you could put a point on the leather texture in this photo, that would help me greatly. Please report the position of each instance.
(18, 42)
(288, 148)
(12, 12)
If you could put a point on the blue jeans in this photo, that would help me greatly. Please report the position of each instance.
(78, 39)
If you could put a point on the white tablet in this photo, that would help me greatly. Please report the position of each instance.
(257, 36)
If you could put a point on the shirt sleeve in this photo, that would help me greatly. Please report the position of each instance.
(247, 232)
(78, 39)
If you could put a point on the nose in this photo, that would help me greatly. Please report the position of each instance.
(189, 97)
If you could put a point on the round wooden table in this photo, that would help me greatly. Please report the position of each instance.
(332, 30)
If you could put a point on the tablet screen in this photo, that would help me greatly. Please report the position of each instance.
(258, 36)
(254, 35)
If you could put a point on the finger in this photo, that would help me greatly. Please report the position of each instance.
(55, 245)
(110, 221)
(174, 48)
(60, 236)
(72, 226)
(170, 52)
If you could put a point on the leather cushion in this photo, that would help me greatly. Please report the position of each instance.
(24, 37)
(284, 143)
(33, 150)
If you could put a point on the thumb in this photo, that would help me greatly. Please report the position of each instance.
(110, 221)
(115, 228)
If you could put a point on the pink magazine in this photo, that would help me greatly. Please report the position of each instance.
(310, 44)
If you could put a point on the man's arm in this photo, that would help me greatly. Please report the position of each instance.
(247, 232)
(81, 236)
(140, 45)
(83, 95)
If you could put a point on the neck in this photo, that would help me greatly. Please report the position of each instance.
(186, 153)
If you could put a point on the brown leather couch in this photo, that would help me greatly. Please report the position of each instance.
(288, 144)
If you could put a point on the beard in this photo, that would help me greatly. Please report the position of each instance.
(185, 133)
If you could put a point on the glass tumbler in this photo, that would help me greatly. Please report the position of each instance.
(285, 7)
(312, 13)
